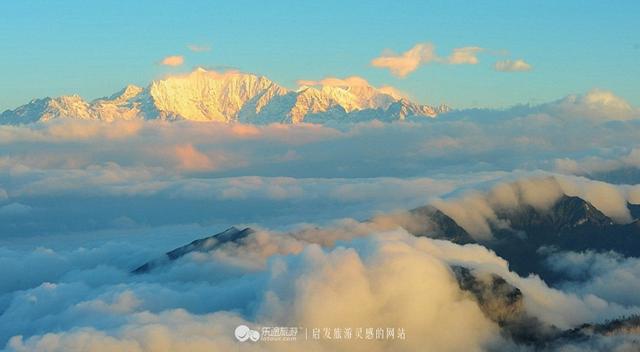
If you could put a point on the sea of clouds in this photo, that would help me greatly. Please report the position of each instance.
(82, 203)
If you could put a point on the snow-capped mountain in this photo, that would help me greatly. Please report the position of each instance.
(204, 95)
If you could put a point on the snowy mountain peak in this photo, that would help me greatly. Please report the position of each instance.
(126, 93)
(355, 93)
(210, 96)
(204, 95)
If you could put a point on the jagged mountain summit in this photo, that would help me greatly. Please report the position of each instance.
(232, 96)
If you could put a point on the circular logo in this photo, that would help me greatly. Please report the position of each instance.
(254, 335)
(244, 333)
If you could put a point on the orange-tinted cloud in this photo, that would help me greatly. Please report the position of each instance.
(466, 55)
(191, 159)
(407, 62)
(242, 130)
(424, 53)
(174, 60)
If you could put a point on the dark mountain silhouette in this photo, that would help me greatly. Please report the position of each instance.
(206, 244)
(571, 224)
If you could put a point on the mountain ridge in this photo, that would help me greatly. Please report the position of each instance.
(231, 96)
(205, 244)
(570, 224)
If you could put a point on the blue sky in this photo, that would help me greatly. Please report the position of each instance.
(95, 48)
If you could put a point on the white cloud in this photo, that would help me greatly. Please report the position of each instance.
(597, 105)
(607, 275)
(518, 65)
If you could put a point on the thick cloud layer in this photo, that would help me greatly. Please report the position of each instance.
(155, 173)
(366, 278)
(82, 204)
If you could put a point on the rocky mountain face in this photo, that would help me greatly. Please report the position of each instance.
(571, 224)
(503, 303)
(441, 226)
(228, 97)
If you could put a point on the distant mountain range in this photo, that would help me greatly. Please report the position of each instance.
(230, 97)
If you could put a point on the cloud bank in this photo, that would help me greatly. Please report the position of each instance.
(278, 279)
(171, 173)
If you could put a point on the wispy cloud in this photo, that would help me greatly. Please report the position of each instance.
(174, 60)
(403, 64)
(198, 48)
(407, 62)
(518, 65)
(466, 55)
